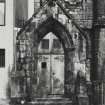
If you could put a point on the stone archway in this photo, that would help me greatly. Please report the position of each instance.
(52, 25)
(26, 64)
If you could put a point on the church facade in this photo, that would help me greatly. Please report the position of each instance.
(54, 52)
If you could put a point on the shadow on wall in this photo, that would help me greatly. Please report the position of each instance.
(8, 91)
(102, 74)
(8, 88)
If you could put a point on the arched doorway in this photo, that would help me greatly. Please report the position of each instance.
(52, 25)
(27, 58)
(50, 66)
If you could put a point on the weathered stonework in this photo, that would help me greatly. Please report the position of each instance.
(24, 79)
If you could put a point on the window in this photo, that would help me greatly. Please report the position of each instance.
(2, 12)
(45, 44)
(44, 65)
(2, 57)
(37, 4)
(56, 44)
(21, 12)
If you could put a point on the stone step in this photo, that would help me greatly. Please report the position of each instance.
(51, 101)
(43, 101)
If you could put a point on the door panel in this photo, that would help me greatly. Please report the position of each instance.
(58, 74)
(51, 74)
(43, 75)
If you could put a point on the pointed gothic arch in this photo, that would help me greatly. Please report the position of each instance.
(34, 36)
(54, 26)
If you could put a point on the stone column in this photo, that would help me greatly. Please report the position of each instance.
(88, 80)
(69, 76)
(97, 69)
(35, 60)
(94, 65)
